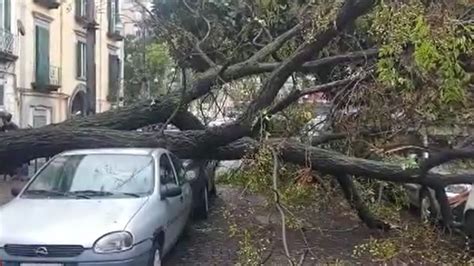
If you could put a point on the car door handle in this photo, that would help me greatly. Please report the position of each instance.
(181, 198)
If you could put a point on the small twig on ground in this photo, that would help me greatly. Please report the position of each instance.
(244, 190)
(279, 207)
(268, 256)
(308, 249)
(303, 256)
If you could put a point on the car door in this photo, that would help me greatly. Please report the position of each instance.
(186, 190)
(173, 204)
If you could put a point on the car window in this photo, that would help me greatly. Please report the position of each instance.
(167, 175)
(179, 169)
(114, 173)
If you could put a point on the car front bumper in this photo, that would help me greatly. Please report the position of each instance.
(137, 256)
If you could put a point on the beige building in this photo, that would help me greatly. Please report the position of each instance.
(48, 78)
(132, 15)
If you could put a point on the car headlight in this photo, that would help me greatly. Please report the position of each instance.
(458, 188)
(114, 242)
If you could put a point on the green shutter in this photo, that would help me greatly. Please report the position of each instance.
(42, 56)
(109, 15)
(113, 78)
(78, 8)
(7, 15)
(78, 60)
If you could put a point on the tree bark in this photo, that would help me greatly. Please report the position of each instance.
(356, 202)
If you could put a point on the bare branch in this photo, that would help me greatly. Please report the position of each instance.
(314, 65)
(276, 44)
(350, 11)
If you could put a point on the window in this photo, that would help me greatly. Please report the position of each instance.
(2, 92)
(42, 55)
(113, 173)
(112, 14)
(40, 117)
(5, 16)
(166, 171)
(81, 8)
(81, 59)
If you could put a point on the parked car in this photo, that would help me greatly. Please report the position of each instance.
(460, 198)
(97, 207)
(201, 176)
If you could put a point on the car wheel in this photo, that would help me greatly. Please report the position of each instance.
(155, 256)
(428, 213)
(203, 209)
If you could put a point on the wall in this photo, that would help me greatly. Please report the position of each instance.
(8, 76)
(65, 31)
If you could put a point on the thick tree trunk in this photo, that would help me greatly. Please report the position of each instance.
(25, 144)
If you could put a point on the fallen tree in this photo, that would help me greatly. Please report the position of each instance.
(234, 140)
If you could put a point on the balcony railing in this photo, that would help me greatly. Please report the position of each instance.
(50, 4)
(8, 46)
(48, 80)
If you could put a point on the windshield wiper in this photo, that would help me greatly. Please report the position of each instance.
(99, 193)
(135, 195)
(53, 193)
(90, 193)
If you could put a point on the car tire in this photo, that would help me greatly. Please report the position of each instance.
(427, 211)
(155, 255)
(203, 209)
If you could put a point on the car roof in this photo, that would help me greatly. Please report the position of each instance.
(125, 151)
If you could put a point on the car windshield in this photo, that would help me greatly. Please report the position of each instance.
(94, 175)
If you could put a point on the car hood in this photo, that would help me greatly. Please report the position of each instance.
(64, 221)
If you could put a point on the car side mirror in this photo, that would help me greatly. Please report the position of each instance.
(170, 191)
(15, 191)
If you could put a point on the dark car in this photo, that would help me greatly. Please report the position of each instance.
(201, 175)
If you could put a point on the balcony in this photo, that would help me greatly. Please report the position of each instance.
(50, 4)
(8, 46)
(49, 80)
(116, 35)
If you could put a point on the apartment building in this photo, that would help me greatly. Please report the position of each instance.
(8, 56)
(45, 76)
(132, 15)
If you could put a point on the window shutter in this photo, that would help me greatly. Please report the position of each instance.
(2, 92)
(78, 8)
(78, 60)
(42, 56)
(109, 15)
(113, 78)
(7, 17)
(84, 60)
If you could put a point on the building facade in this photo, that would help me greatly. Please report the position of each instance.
(47, 81)
(8, 57)
(132, 15)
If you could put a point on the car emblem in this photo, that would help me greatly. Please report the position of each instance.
(41, 251)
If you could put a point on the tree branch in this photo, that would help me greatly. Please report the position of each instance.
(276, 44)
(356, 202)
(350, 11)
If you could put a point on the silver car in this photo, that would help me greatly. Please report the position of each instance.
(97, 207)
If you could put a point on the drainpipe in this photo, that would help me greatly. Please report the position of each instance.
(90, 55)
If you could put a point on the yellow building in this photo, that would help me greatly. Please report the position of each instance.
(49, 74)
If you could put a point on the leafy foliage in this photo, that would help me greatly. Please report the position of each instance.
(420, 51)
(148, 66)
